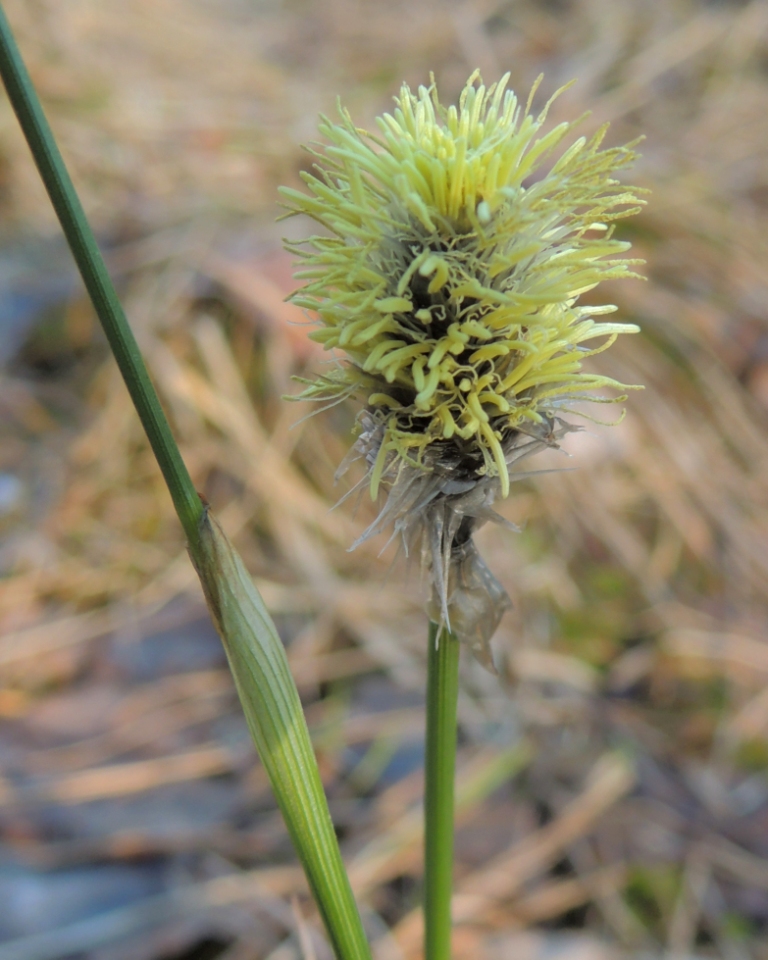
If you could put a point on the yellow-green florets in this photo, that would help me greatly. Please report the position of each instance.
(451, 275)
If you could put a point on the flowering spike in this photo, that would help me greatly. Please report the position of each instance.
(449, 278)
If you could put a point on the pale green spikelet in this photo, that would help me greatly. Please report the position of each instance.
(451, 275)
(449, 279)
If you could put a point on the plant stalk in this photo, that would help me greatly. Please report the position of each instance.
(256, 655)
(440, 766)
(93, 270)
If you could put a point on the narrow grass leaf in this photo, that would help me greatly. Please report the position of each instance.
(275, 718)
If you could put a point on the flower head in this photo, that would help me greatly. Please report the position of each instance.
(449, 278)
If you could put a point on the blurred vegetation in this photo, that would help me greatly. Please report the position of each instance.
(639, 581)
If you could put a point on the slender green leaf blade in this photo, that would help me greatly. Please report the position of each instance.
(276, 720)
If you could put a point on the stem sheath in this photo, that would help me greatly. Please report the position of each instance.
(442, 697)
(267, 692)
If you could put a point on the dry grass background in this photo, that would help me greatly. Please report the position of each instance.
(614, 783)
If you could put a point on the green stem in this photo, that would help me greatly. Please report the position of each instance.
(257, 657)
(97, 282)
(440, 765)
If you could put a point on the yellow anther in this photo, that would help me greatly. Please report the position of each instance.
(393, 305)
